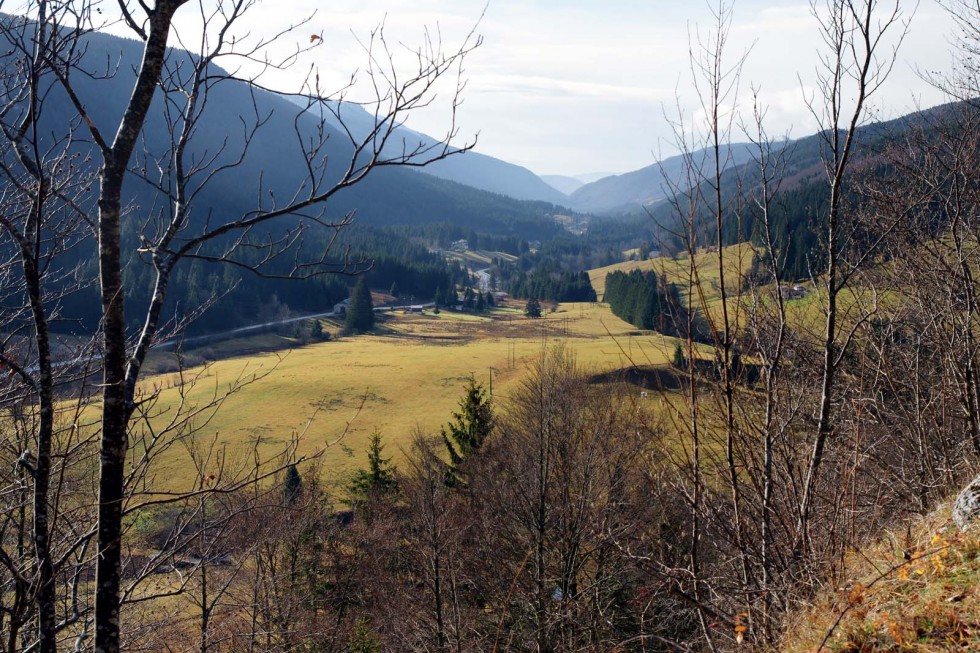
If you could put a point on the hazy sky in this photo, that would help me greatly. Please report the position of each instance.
(579, 86)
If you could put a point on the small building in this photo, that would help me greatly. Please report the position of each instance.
(460, 245)
(340, 308)
(792, 292)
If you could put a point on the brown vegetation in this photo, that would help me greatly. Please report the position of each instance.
(579, 521)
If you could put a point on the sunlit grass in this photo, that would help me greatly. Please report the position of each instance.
(738, 260)
(408, 376)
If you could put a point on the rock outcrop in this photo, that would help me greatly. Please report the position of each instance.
(966, 510)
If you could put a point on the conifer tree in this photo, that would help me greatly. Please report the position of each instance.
(292, 484)
(679, 356)
(316, 330)
(360, 314)
(362, 640)
(532, 308)
(469, 429)
(379, 477)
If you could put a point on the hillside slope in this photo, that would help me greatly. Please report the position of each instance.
(250, 150)
(273, 158)
(470, 168)
(803, 190)
(640, 188)
(914, 590)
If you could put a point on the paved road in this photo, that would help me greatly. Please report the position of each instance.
(193, 340)
(239, 331)
(483, 279)
(185, 342)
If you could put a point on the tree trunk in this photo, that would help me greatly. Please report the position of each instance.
(117, 402)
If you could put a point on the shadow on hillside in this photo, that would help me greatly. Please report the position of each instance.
(648, 378)
(668, 378)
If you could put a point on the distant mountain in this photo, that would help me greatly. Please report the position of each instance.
(490, 174)
(633, 190)
(563, 184)
(589, 177)
(470, 168)
(270, 173)
(802, 168)
(803, 196)
(274, 162)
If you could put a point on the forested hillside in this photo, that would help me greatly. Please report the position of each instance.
(631, 191)
(271, 137)
(470, 168)
(784, 370)
(798, 167)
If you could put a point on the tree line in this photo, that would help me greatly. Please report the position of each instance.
(385, 257)
(644, 300)
(543, 284)
(589, 518)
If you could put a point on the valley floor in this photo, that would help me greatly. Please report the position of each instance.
(408, 375)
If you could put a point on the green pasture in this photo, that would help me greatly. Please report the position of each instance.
(332, 396)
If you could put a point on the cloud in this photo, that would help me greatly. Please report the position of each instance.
(567, 89)
(572, 85)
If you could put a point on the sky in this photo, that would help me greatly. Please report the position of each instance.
(577, 86)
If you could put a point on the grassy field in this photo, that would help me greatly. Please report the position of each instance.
(805, 315)
(409, 375)
(738, 259)
(480, 258)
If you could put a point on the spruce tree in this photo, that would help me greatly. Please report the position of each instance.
(292, 484)
(679, 356)
(316, 330)
(379, 477)
(360, 313)
(362, 640)
(532, 308)
(469, 429)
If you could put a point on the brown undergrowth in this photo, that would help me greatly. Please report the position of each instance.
(913, 591)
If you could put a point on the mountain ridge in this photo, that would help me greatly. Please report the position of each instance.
(641, 188)
(471, 168)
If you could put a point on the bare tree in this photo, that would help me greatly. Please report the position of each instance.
(43, 223)
(54, 180)
(750, 439)
(856, 63)
(556, 488)
(436, 530)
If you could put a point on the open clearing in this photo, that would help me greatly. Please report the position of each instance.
(738, 260)
(408, 376)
